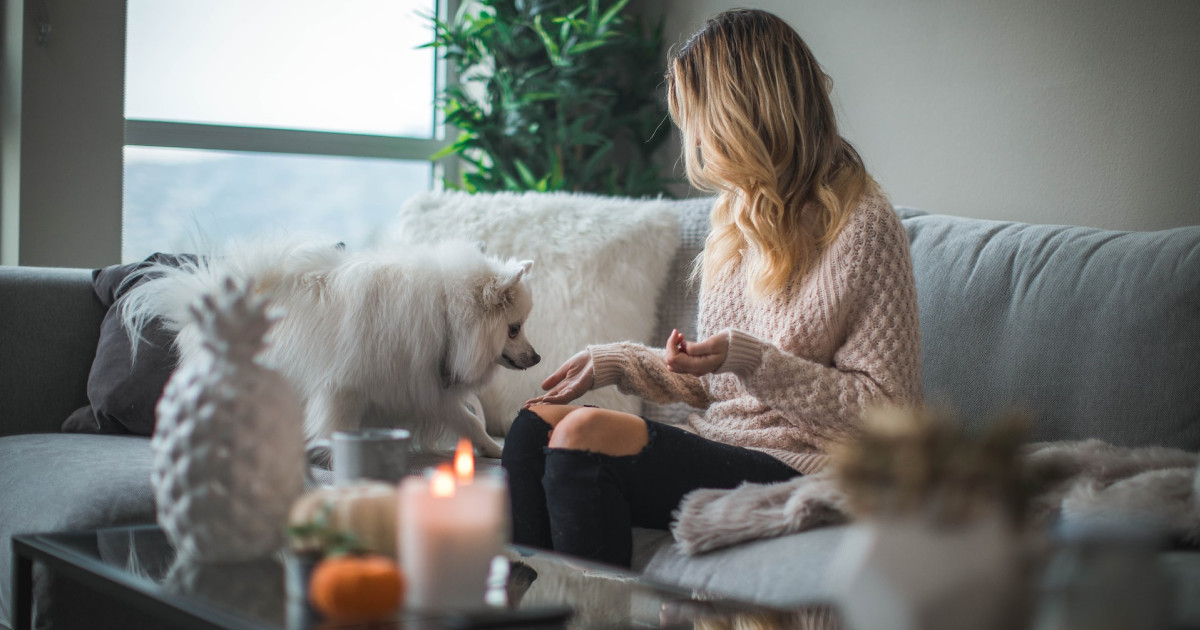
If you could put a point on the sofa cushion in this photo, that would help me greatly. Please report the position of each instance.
(123, 389)
(56, 482)
(784, 572)
(1095, 333)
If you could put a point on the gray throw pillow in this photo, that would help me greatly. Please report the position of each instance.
(122, 392)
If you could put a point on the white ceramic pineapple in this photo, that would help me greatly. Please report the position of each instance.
(228, 444)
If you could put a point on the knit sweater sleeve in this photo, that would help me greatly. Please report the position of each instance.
(642, 371)
(879, 360)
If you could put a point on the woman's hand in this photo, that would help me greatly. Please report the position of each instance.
(572, 380)
(696, 358)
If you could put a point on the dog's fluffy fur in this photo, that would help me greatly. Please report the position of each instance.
(404, 337)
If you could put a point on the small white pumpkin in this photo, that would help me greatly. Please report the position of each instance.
(367, 511)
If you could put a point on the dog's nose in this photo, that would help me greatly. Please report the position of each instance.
(536, 358)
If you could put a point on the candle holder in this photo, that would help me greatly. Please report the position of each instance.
(453, 523)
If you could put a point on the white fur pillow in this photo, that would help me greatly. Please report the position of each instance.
(599, 267)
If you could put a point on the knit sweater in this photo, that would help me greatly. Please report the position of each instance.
(804, 365)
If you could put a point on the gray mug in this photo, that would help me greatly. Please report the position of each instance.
(370, 454)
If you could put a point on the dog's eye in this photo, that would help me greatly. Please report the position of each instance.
(514, 330)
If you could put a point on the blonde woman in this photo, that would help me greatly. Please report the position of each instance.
(808, 312)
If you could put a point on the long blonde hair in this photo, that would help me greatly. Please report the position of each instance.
(758, 129)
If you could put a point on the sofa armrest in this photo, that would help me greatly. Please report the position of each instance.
(49, 327)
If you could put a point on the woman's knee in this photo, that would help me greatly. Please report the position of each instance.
(600, 431)
(526, 437)
(551, 414)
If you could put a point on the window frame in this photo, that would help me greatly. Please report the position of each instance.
(62, 205)
(216, 137)
(181, 135)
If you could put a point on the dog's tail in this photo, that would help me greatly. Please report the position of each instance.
(165, 292)
(162, 292)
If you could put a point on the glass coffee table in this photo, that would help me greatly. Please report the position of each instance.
(137, 568)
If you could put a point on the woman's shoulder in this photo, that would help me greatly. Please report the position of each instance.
(875, 206)
(873, 219)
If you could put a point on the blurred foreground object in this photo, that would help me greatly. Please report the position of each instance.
(937, 543)
(1087, 583)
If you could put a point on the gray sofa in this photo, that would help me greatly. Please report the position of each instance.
(1096, 333)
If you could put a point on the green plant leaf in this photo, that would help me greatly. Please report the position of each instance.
(564, 30)
(539, 108)
(533, 97)
(527, 177)
(586, 46)
(551, 46)
(509, 182)
(458, 146)
(612, 12)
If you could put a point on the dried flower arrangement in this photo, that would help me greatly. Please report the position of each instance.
(910, 462)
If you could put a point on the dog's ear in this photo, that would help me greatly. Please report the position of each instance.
(498, 290)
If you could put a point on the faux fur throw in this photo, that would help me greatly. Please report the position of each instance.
(599, 265)
(1088, 482)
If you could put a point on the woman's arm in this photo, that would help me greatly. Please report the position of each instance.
(642, 371)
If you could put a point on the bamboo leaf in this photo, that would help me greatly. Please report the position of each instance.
(586, 46)
(450, 149)
(527, 177)
(551, 47)
(473, 161)
(539, 109)
(509, 182)
(534, 97)
(612, 12)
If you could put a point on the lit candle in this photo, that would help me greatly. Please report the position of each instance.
(451, 527)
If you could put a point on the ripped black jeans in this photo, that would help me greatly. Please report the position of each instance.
(584, 503)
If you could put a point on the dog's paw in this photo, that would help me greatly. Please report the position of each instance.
(490, 449)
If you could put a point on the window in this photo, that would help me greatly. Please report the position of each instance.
(309, 117)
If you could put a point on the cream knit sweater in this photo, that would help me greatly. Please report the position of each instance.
(804, 366)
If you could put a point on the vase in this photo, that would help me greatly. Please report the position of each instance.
(228, 443)
(909, 574)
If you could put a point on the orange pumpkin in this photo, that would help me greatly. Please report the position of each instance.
(356, 587)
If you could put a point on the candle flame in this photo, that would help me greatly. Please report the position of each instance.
(464, 461)
(442, 484)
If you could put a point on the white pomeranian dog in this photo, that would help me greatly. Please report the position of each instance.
(401, 337)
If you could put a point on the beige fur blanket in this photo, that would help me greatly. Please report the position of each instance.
(1087, 482)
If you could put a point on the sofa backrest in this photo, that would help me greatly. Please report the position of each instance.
(49, 326)
(1094, 333)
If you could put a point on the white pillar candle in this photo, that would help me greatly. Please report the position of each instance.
(452, 524)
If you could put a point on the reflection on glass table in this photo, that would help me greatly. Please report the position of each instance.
(142, 565)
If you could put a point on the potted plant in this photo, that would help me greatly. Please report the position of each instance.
(554, 95)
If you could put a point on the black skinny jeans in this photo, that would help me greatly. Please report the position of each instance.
(585, 503)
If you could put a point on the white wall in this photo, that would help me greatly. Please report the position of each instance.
(63, 134)
(1081, 112)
